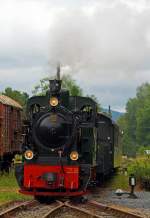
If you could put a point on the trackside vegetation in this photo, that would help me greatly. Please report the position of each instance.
(9, 189)
(140, 167)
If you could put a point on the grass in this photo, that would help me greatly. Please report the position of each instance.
(9, 189)
(118, 181)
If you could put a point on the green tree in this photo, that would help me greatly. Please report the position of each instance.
(131, 108)
(143, 115)
(136, 121)
(20, 97)
(127, 145)
(70, 84)
(143, 124)
(42, 87)
(67, 82)
(143, 92)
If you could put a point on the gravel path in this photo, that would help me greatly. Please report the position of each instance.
(141, 204)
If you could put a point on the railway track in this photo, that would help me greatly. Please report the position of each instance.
(99, 210)
(53, 210)
(11, 209)
(91, 209)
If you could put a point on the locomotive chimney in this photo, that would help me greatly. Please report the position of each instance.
(58, 72)
(109, 111)
(55, 85)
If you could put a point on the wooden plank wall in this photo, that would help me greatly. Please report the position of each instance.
(10, 129)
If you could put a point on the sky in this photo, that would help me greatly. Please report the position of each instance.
(104, 44)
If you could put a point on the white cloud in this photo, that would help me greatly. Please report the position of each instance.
(115, 38)
(21, 78)
(108, 49)
(106, 43)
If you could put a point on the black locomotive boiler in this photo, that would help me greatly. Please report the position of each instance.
(67, 147)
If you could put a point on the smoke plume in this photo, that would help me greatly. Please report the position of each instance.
(109, 40)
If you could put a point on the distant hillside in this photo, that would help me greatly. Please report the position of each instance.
(115, 114)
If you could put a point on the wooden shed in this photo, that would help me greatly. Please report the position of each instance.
(10, 125)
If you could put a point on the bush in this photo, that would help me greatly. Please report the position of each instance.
(140, 168)
(142, 149)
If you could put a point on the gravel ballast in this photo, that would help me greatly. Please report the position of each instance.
(141, 203)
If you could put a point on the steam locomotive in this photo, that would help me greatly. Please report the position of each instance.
(68, 146)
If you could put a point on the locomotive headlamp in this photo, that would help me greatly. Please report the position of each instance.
(74, 155)
(28, 155)
(53, 101)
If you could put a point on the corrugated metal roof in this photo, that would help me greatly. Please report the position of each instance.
(8, 101)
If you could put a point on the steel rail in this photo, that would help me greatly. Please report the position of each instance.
(67, 204)
(15, 208)
(52, 210)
